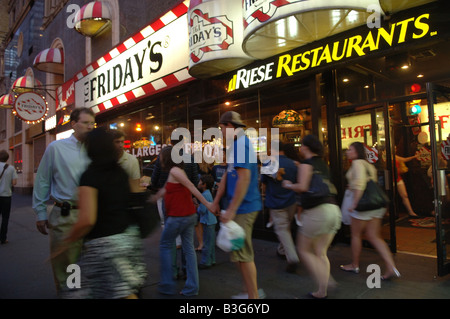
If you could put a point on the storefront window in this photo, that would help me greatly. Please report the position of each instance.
(18, 159)
(38, 150)
(397, 74)
(357, 85)
(148, 129)
(3, 118)
(285, 107)
(17, 125)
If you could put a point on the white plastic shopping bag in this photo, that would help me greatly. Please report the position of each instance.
(346, 202)
(231, 236)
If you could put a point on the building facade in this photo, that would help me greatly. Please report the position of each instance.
(374, 72)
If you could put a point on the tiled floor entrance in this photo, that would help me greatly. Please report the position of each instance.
(413, 239)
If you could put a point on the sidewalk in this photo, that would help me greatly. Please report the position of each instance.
(25, 273)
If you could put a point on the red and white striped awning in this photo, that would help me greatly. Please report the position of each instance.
(50, 60)
(92, 18)
(6, 101)
(166, 82)
(26, 84)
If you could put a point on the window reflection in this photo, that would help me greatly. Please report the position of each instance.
(149, 128)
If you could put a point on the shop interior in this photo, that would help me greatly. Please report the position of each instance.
(403, 133)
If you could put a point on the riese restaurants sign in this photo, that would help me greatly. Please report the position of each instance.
(314, 56)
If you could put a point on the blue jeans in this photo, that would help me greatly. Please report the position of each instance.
(174, 226)
(209, 245)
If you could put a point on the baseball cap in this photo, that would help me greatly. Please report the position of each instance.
(231, 117)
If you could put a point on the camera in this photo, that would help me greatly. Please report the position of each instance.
(65, 209)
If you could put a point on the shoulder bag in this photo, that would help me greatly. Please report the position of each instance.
(4, 169)
(319, 192)
(143, 213)
(373, 197)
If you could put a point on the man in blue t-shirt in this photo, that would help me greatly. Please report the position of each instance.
(240, 186)
(282, 203)
(218, 171)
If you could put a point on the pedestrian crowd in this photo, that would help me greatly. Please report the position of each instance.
(89, 181)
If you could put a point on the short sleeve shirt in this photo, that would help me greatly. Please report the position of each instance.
(113, 188)
(6, 180)
(277, 196)
(131, 165)
(243, 156)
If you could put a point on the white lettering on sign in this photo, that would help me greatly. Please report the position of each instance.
(164, 52)
(245, 78)
(152, 150)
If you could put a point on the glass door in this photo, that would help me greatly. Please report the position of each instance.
(439, 105)
(419, 210)
(370, 127)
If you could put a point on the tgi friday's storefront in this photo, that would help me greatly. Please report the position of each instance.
(345, 82)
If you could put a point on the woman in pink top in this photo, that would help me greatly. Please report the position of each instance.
(180, 221)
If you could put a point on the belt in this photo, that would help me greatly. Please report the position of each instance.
(58, 204)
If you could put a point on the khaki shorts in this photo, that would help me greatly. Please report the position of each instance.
(245, 254)
(320, 220)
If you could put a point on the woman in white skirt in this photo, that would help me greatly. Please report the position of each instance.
(320, 221)
(368, 222)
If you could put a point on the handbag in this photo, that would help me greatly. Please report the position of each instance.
(143, 213)
(319, 192)
(373, 197)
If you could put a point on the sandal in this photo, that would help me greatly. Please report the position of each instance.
(395, 274)
(349, 268)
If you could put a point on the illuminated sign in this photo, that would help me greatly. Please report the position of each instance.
(154, 59)
(208, 34)
(215, 37)
(151, 150)
(353, 129)
(30, 107)
(50, 123)
(301, 60)
(63, 135)
(65, 94)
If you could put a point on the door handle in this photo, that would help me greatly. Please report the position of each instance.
(441, 182)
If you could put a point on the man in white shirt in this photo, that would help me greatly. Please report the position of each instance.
(8, 178)
(57, 179)
(128, 162)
